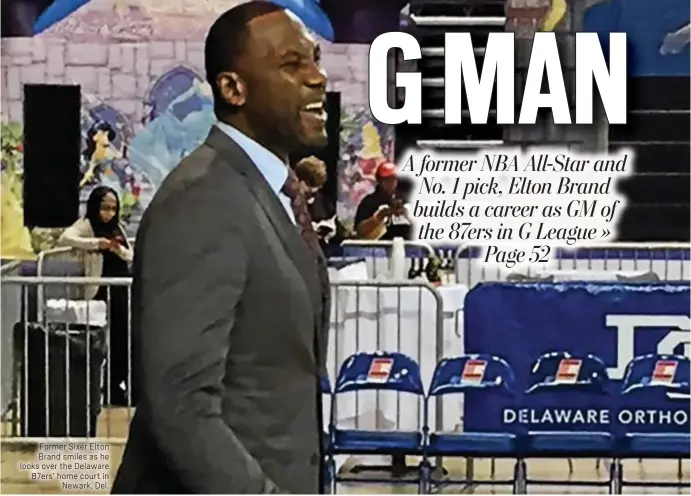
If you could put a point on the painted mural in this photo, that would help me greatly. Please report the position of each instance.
(145, 103)
(16, 240)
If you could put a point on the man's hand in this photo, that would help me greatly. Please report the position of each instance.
(384, 213)
(311, 171)
(397, 207)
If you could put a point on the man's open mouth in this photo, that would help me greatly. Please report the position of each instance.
(315, 109)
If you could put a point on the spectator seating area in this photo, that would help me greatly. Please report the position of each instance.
(553, 375)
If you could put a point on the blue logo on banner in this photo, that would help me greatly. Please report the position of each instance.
(569, 345)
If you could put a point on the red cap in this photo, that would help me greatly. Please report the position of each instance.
(387, 169)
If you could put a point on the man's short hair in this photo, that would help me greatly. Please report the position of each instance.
(226, 40)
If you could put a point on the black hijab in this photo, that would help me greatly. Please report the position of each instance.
(93, 213)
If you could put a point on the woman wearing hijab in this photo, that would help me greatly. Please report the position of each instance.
(106, 253)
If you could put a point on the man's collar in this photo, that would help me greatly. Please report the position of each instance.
(271, 167)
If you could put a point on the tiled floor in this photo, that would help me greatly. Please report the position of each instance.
(115, 421)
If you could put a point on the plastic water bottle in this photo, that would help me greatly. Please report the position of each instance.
(398, 260)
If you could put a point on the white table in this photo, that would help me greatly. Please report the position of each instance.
(354, 272)
(92, 313)
(393, 319)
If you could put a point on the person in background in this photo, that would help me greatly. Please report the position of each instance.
(383, 214)
(107, 253)
(312, 172)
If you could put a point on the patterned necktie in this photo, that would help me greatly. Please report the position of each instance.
(293, 189)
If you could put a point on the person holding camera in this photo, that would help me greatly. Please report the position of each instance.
(383, 214)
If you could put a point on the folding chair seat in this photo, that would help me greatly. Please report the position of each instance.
(570, 383)
(471, 374)
(377, 371)
(374, 442)
(570, 444)
(658, 383)
(480, 444)
(654, 445)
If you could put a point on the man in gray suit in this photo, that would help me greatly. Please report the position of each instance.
(231, 297)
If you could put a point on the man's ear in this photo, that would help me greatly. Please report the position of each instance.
(232, 88)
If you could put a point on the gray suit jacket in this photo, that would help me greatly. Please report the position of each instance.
(230, 321)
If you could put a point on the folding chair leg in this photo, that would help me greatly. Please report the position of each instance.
(520, 475)
(680, 469)
(331, 467)
(469, 471)
(425, 484)
(616, 477)
(602, 463)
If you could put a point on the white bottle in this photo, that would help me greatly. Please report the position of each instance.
(397, 264)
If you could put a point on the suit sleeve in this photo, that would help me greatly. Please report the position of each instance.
(190, 272)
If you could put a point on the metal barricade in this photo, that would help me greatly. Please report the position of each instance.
(409, 317)
(667, 261)
(61, 369)
(10, 310)
(405, 317)
(377, 254)
(65, 361)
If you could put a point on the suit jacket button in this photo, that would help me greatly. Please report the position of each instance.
(315, 458)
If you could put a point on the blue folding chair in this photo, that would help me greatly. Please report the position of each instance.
(575, 391)
(659, 384)
(377, 371)
(570, 404)
(325, 388)
(469, 374)
(666, 374)
(325, 385)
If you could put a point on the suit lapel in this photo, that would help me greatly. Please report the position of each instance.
(297, 249)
